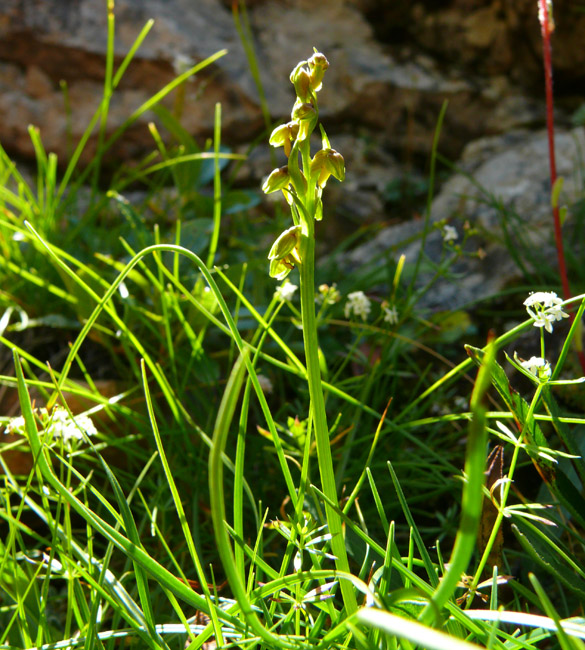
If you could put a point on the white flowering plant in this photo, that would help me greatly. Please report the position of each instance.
(450, 234)
(58, 425)
(286, 291)
(458, 241)
(391, 315)
(358, 305)
(545, 308)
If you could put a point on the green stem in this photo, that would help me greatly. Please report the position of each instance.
(307, 289)
(506, 489)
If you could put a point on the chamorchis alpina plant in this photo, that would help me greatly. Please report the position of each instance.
(302, 181)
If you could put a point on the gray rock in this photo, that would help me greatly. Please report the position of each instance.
(394, 93)
(512, 171)
(502, 174)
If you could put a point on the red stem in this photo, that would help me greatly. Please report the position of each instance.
(545, 28)
(550, 127)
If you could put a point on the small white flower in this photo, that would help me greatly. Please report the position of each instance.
(60, 425)
(545, 307)
(545, 298)
(57, 424)
(265, 384)
(359, 304)
(391, 315)
(182, 63)
(449, 234)
(15, 425)
(286, 291)
(537, 366)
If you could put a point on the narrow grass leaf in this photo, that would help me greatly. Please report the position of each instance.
(418, 633)
(420, 545)
(471, 502)
(543, 550)
(565, 642)
(135, 553)
(572, 626)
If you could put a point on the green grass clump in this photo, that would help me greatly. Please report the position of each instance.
(196, 452)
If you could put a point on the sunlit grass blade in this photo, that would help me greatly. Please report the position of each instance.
(472, 499)
(216, 188)
(154, 569)
(566, 642)
(430, 569)
(179, 505)
(216, 494)
(412, 631)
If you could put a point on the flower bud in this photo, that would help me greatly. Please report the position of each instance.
(279, 179)
(306, 116)
(317, 66)
(301, 80)
(284, 136)
(328, 162)
(285, 244)
(284, 253)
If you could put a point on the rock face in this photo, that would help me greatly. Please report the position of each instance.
(503, 191)
(49, 41)
(511, 173)
(392, 66)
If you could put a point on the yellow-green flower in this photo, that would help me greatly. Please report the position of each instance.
(279, 269)
(305, 115)
(284, 253)
(284, 135)
(317, 65)
(301, 80)
(279, 179)
(328, 162)
(285, 243)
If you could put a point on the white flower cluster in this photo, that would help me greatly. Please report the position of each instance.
(358, 304)
(537, 366)
(449, 234)
(61, 425)
(58, 424)
(286, 291)
(545, 307)
(390, 315)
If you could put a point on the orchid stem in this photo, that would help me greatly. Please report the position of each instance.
(307, 289)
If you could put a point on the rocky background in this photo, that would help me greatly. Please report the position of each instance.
(393, 64)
